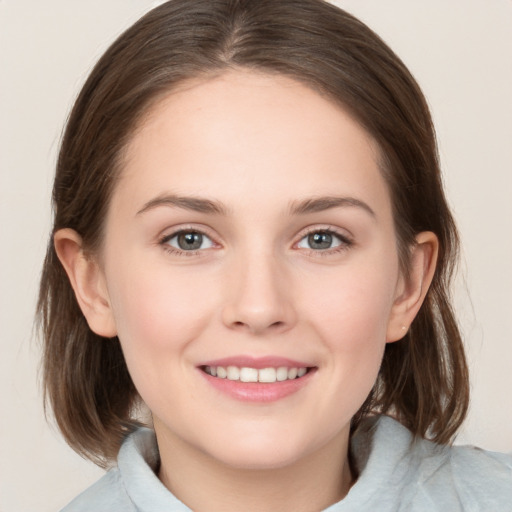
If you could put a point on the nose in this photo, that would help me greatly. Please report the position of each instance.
(260, 299)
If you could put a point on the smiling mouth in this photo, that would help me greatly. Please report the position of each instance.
(263, 375)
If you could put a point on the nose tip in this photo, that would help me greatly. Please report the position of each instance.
(260, 301)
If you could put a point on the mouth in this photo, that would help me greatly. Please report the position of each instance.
(247, 374)
(257, 380)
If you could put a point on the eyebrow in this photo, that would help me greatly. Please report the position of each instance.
(320, 204)
(203, 205)
(196, 204)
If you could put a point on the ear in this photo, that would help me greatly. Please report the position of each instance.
(87, 281)
(411, 291)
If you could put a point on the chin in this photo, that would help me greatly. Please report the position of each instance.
(263, 451)
(258, 459)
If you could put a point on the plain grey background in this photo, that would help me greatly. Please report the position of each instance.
(461, 53)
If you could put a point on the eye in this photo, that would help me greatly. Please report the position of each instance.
(322, 240)
(188, 241)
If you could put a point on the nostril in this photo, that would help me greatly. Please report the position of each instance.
(254, 327)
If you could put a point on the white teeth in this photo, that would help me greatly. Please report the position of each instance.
(292, 373)
(249, 375)
(246, 374)
(211, 370)
(282, 373)
(267, 375)
(233, 373)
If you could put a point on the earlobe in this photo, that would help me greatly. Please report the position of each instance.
(412, 290)
(87, 281)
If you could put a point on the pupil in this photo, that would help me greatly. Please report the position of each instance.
(320, 240)
(190, 241)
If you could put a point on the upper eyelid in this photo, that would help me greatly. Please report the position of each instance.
(163, 242)
(174, 234)
(170, 232)
(341, 232)
(346, 243)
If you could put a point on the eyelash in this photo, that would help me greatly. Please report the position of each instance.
(164, 242)
(345, 242)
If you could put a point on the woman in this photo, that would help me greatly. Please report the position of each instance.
(257, 246)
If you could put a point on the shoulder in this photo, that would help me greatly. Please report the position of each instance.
(133, 485)
(418, 475)
(477, 476)
(107, 494)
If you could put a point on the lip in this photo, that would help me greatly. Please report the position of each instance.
(257, 362)
(257, 392)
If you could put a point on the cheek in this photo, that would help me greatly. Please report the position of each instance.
(351, 319)
(158, 315)
(153, 306)
(354, 307)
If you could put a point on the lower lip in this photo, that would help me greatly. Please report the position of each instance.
(258, 391)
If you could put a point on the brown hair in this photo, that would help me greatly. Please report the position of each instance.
(423, 380)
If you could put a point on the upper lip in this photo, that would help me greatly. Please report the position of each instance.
(244, 361)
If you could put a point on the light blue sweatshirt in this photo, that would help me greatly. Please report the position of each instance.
(396, 474)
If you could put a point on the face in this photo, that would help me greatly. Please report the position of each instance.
(251, 237)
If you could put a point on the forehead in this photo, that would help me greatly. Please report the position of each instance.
(241, 130)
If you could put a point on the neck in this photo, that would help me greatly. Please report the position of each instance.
(207, 485)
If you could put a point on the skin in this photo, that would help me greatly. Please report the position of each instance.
(258, 147)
